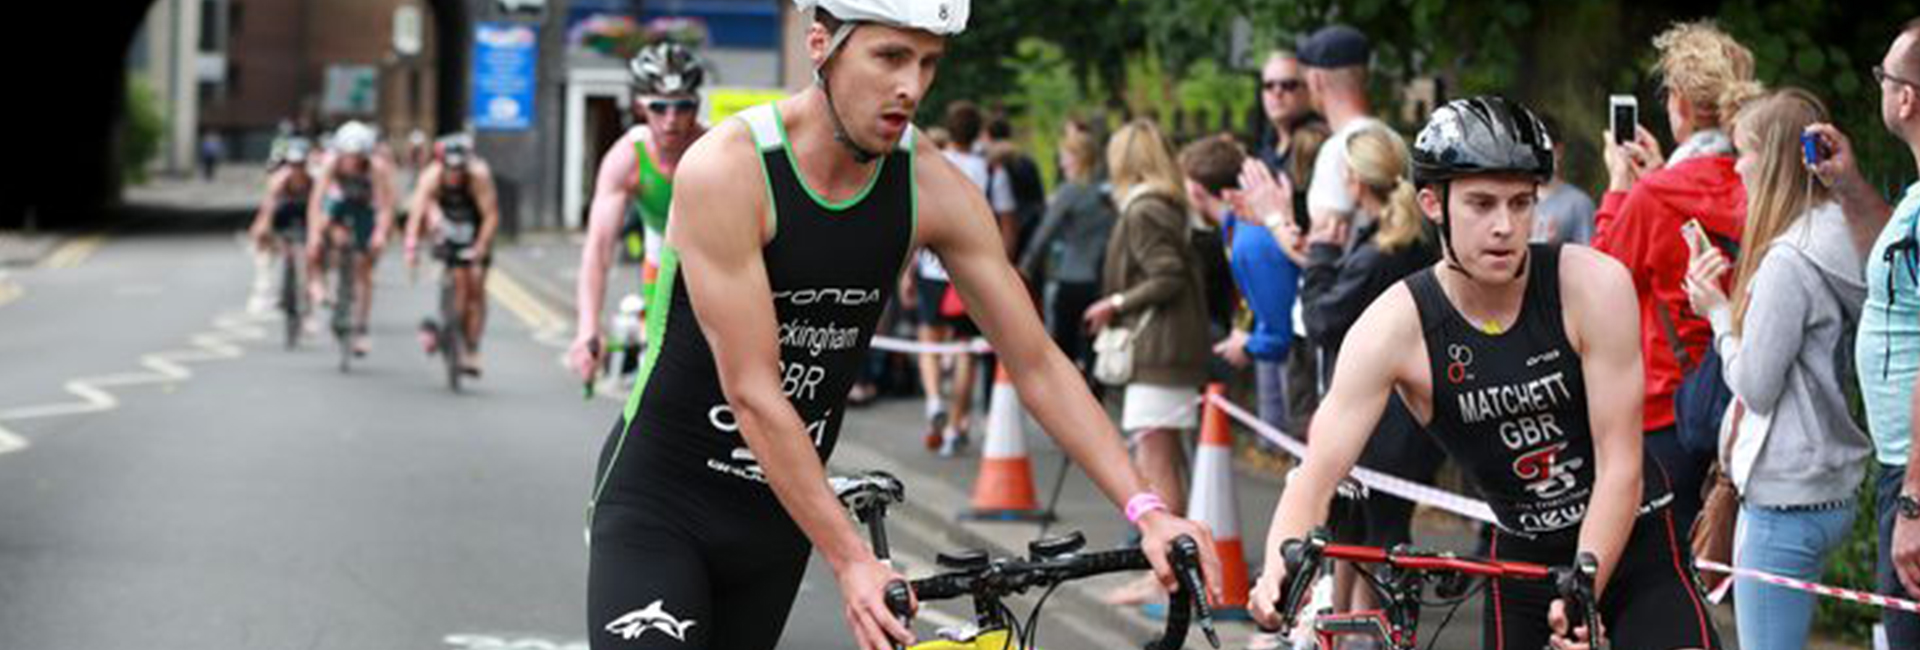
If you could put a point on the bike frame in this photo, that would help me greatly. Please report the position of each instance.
(1401, 582)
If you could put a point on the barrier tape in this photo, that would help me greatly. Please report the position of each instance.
(907, 346)
(1862, 597)
(1390, 484)
(1478, 510)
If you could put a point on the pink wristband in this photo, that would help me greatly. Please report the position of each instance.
(1143, 503)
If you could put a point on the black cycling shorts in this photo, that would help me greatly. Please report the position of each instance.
(1653, 601)
(683, 560)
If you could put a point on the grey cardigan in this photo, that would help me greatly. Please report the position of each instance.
(1786, 366)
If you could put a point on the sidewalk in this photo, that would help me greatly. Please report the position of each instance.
(887, 435)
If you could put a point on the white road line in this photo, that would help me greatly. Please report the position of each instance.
(167, 366)
(9, 442)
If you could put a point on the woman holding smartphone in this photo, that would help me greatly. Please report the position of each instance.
(1783, 333)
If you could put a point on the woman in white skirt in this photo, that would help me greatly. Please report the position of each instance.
(1153, 290)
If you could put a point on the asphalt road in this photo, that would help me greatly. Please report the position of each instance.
(170, 477)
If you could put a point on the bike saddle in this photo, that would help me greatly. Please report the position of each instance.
(860, 492)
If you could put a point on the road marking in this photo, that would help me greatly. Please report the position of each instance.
(10, 442)
(165, 367)
(72, 253)
(548, 324)
(9, 290)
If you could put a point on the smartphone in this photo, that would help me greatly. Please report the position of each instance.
(1815, 150)
(1624, 116)
(1696, 235)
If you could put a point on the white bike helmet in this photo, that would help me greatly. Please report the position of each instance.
(943, 17)
(939, 17)
(354, 138)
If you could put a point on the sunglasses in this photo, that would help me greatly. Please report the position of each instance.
(1908, 247)
(1881, 75)
(1282, 85)
(662, 106)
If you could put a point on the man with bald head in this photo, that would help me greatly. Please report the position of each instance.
(1887, 346)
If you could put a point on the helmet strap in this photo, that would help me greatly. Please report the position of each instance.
(860, 154)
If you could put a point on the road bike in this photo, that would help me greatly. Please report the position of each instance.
(1402, 578)
(988, 581)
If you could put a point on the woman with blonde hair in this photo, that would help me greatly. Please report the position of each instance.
(1151, 280)
(1080, 219)
(1796, 455)
(1705, 76)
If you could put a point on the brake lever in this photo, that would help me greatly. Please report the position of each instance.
(1186, 562)
(899, 601)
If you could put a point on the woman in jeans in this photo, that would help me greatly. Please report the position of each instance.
(1795, 456)
(1151, 282)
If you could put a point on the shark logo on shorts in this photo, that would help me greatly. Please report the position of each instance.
(652, 617)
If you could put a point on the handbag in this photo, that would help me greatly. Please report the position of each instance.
(1113, 351)
(1713, 531)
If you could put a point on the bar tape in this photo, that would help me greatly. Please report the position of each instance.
(906, 346)
(1478, 510)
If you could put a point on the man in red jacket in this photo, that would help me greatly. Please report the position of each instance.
(1705, 75)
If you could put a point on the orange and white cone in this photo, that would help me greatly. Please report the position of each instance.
(1004, 489)
(1214, 503)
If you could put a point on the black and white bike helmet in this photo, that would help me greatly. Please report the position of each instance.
(1478, 136)
(666, 68)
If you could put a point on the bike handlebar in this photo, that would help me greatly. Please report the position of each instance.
(1010, 576)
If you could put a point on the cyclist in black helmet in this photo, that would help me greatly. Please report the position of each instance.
(1525, 366)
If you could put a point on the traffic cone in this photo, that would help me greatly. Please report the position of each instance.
(1004, 489)
(1212, 502)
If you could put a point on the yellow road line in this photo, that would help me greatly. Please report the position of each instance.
(515, 297)
(9, 290)
(74, 252)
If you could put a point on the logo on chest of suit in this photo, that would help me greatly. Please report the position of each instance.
(1462, 357)
(839, 297)
(1547, 475)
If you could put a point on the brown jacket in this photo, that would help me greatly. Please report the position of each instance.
(1152, 263)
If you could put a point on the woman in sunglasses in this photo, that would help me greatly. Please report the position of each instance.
(637, 172)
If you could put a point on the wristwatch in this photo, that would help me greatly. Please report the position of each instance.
(1907, 506)
(1118, 300)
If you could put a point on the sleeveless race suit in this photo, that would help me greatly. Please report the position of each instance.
(353, 205)
(290, 212)
(459, 222)
(654, 193)
(1512, 410)
(685, 532)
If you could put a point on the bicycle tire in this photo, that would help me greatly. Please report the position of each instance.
(343, 299)
(451, 350)
(290, 297)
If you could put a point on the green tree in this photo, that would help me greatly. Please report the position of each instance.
(140, 140)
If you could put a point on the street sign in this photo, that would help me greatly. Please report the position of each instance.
(406, 30)
(504, 75)
(350, 90)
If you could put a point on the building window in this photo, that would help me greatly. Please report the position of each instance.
(233, 18)
(211, 37)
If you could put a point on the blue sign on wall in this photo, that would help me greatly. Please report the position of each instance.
(504, 75)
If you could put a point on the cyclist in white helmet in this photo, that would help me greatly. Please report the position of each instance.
(352, 202)
(712, 492)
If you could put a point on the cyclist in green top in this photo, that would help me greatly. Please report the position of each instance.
(638, 170)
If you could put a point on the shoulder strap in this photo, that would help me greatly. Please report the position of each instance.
(764, 121)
